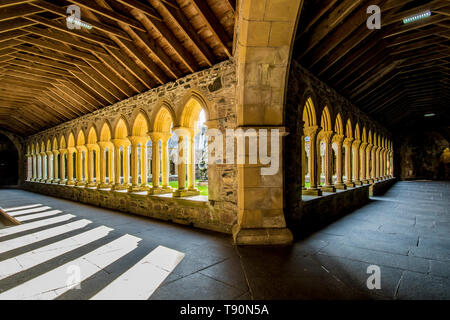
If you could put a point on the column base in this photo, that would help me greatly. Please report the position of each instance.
(358, 183)
(262, 236)
(371, 181)
(328, 188)
(340, 186)
(350, 184)
(62, 181)
(312, 192)
(80, 184)
(55, 181)
(70, 183)
(186, 193)
(104, 186)
(49, 181)
(365, 181)
(120, 187)
(137, 188)
(92, 185)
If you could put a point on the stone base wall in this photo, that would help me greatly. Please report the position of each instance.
(381, 187)
(317, 213)
(201, 214)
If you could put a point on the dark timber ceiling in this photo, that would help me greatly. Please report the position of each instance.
(50, 74)
(395, 74)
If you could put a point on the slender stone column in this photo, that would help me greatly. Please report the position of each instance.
(81, 163)
(33, 169)
(181, 163)
(191, 164)
(70, 177)
(43, 171)
(144, 171)
(348, 162)
(356, 162)
(165, 161)
(377, 163)
(339, 162)
(138, 143)
(56, 171)
(49, 167)
(62, 168)
(90, 160)
(362, 162)
(368, 162)
(155, 161)
(312, 132)
(328, 166)
(373, 173)
(121, 143)
(104, 163)
(391, 174)
(303, 150)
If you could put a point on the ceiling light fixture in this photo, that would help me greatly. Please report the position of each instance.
(428, 115)
(417, 17)
(74, 20)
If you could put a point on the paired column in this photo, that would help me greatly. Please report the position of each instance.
(313, 189)
(105, 162)
(70, 174)
(91, 164)
(34, 172)
(356, 162)
(49, 167)
(62, 166)
(56, 176)
(121, 162)
(339, 139)
(328, 162)
(186, 159)
(165, 136)
(348, 142)
(81, 164)
(43, 167)
(368, 152)
(378, 161)
(138, 145)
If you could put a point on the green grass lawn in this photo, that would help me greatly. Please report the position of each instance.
(203, 189)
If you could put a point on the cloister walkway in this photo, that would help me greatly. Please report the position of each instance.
(405, 232)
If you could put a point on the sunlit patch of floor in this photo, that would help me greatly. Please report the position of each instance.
(139, 281)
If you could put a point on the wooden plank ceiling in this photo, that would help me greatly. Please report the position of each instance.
(50, 74)
(395, 74)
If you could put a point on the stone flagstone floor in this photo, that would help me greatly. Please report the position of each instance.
(406, 233)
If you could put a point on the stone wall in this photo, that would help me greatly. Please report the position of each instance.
(216, 86)
(301, 85)
(423, 155)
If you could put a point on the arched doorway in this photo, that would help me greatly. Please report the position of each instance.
(9, 162)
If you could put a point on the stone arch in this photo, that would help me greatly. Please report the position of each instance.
(163, 113)
(348, 129)
(140, 125)
(338, 125)
(105, 131)
(62, 142)
(192, 105)
(81, 139)
(92, 135)
(309, 113)
(325, 121)
(48, 145)
(55, 143)
(121, 128)
(357, 132)
(71, 140)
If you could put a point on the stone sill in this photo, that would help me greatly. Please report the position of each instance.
(169, 196)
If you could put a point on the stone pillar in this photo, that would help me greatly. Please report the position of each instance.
(356, 162)
(43, 171)
(373, 173)
(348, 162)
(91, 148)
(138, 143)
(378, 166)
(49, 167)
(263, 45)
(303, 162)
(62, 168)
(165, 162)
(191, 164)
(313, 189)
(181, 164)
(121, 143)
(81, 163)
(144, 171)
(185, 149)
(391, 175)
(56, 170)
(104, 163)
(33, 169)
(368, 161)
(339, 139)
(155, 136)
(362, 162)
(328, 165)
(70, 177)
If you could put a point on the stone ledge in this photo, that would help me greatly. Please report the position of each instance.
(380, 187)
(195, 211)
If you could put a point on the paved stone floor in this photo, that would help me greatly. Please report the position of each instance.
(405, 233)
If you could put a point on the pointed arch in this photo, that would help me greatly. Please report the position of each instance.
(81, 140)
(364, 135)
(92, 136)
(191, 112)
(164, 118)
(62, 142)
(105, 132)
(121, 129)
(348, 129)
(140, 126)
(369, 139)
(357, 132)
(49, 145)
(71, 140)
(325, 120)
(55, 143)
(338, 126)
(309, 114)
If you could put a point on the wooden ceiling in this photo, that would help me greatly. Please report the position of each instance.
(50, 74)
(395, 74)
